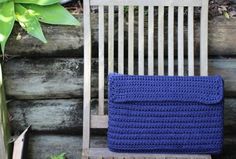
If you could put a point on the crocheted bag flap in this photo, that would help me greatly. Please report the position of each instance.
(203, 89)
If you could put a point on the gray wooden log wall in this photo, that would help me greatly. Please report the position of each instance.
(44, 86)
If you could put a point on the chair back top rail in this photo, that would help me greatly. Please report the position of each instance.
(176, 3)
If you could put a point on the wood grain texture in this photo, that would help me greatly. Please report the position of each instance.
(141, 40)
(68, 40)
(191, 41)
(46, 78)
(150, 40)
(47, 115)
(101, 60)
(161, 42)
(65, 116)
(171, 41)
(180, 41)
(43, 146)
(105, 152)
(55, 78)
(121, 40)
(204, 39)
(99, 121)
(87, 75)
(131, 41)
(111, 39)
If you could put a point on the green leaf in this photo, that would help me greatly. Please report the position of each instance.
(38, 2)
(3, 44)
(226, 14)
(1, 1)
(53, 14)
(7, 19)
(60, 156)
(29, 22)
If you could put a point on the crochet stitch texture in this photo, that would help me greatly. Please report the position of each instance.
(165, 114)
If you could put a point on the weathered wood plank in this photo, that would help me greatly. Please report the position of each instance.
(65, 116)
(43, 146)
(68, 40)
(225, 68)
(46, 78)
(47, 115)
(28, 78)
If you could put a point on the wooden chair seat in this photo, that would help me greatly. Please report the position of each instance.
(106, 153)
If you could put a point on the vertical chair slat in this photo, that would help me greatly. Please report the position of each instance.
(204, 39)
(101, 61)
(190, 41)
(111, 39)
(141, 41)
(181, 41)
(171, 41)
(150, 40)
(87, 79)
(161, 40)
(131, 41)
(121, 40)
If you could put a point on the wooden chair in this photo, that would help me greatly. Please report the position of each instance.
(101, 120)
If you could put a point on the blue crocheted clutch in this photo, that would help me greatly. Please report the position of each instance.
(164, 114)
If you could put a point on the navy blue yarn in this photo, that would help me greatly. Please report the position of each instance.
(164, 114)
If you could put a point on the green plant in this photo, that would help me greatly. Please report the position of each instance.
(4, 122)
(60, 156)
(29, 14)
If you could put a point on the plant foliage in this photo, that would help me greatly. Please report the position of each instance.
(4, 122)
(29, 14)
(60, 156)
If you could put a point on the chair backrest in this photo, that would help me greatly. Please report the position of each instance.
(172, 7)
